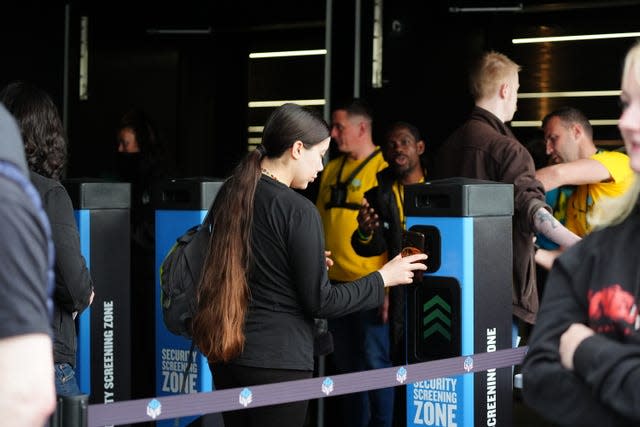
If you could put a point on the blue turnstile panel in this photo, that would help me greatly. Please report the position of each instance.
(84, 320)
(441, 328)
(184, 203)
(463, 305)
(172, 350)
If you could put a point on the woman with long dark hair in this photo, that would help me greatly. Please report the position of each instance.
(46, 152)
(265, 276)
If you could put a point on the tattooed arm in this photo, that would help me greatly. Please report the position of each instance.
(547, 224)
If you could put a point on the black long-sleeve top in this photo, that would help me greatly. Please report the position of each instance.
(73, 283)
(289, 283)
(597, 283)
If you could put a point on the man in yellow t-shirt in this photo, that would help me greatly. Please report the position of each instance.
(361, 340)
(595, 173)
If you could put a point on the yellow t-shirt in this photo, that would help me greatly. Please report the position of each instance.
(340, 223)
(585, 196)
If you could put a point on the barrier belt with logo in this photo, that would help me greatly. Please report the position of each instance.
(159, 408)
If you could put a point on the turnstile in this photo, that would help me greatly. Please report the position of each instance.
(182, 204)
(104, 340)
(463, 305)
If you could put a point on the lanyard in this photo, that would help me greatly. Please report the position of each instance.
(356, 170)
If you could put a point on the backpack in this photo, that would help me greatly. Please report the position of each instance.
(180, 274)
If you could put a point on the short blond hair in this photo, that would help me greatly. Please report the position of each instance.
(489, 72)
(632, 62)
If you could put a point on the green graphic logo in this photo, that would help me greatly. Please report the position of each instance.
(437, 318)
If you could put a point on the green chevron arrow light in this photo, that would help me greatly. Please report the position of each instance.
(437, 318)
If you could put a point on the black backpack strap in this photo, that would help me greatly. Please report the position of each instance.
(192, 350)
(360, 166)
(349, 205)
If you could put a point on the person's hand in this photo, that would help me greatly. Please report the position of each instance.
(328, 260)
(569, 342)
(546, 257)
(383, 310)
(367, 218)
(399, 270)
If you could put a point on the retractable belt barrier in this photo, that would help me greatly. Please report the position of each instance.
(134, 411)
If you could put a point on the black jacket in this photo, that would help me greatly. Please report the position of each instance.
(387, 238)
(485, 148)
(73, 283)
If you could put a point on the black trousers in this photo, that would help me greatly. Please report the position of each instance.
(284, 415)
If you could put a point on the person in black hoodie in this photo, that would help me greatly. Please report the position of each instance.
(583, 364)
(45, 149)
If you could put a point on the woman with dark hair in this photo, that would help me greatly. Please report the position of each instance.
(42, 132)
(46, 152)
(140, 148)
(265, 275)
(140, 161)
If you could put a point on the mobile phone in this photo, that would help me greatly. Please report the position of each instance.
(413, 243)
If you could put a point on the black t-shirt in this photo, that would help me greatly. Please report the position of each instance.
(23, 265)
(289, 284)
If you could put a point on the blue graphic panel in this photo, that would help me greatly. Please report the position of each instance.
(448, 401)
(83, 354)
(172, 351)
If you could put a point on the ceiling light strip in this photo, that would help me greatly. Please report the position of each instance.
(455, 9)
(262, 104)
(538, 123)
(604, 122)
(572, 94)
(282, 54)
(178, 31)
(526, 123)
(256, 129)
(575, 38)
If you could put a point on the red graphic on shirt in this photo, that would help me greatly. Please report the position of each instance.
(612, 309)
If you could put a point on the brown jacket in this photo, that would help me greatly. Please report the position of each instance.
(485, 148)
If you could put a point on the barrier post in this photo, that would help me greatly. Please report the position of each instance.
(71, 411)
(463, 306)
(103, 363)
